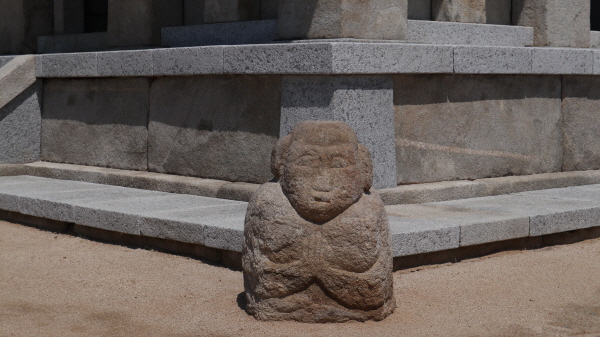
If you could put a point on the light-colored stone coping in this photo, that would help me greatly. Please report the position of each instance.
(323, 57)
(405, 194)
(419, 31)
(16, 76)
(218, 223)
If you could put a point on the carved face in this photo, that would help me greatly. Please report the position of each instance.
(321, 173)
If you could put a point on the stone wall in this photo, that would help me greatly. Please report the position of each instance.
(21, 22)
(452, 127)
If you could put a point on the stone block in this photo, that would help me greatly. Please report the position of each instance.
(125, 63)
(219, 127)
(187, 61)
(20, 126)
(327, 19)
(139, 22)
(15, 77)
(73, 43)
(12, 170)
(506, 185)
(459, 10)
(5, 59)
(230, 33)
(557, 23)
(584, 193)
(369, 58)
(193, 12)
(476, 227)
(69, 65)
(580, 123)
(21, 22)
(419, 10)
(595, 39)
(498, 12)
(286, 58)
(422, 193)
(99, 122)
(562, 61)
(455, 33)
(364, 102)
(417, 236)
(231, 10)
(492, 60)
(452, 127)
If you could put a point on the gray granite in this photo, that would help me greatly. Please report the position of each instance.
(492, 60)
(288, 58)
(596, 62)
(187, 61)
(5, 59)
(69, 65)
(364, 102)
(16, 76)
(455, 33)
(585, 193)
(125, 63)
(20, 126)
(431, 192)
(243, 32)
(562, 61)
(382, 58)
(418, 236)
(594, 40)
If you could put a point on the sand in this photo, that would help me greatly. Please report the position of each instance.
(59, 285)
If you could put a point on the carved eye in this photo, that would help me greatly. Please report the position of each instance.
(307, 161)
(339, 162)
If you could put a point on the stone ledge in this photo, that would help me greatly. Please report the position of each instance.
(217, 223)
(323, 57)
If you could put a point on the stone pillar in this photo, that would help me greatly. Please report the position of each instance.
(557, 23)
(364, 102)
(133, 23)
(419, 9)
(459, 10)
(21, 22)
(498, 12)
(231, 10)
(68, 17)
(329, 19)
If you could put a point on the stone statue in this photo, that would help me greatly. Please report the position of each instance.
(317, 245)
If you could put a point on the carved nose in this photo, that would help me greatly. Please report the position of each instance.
(323, 181)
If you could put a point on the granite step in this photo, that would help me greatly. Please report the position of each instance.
(218, 223)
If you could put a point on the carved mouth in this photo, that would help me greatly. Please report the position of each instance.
(321, 197)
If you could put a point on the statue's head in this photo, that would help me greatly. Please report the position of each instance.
(322, 168)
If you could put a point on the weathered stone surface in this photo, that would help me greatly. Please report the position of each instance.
(138, 22)
(459, 10)
(220, 127)
(231, 10)
(317, 245)
(101, 122)
(20, 126)
(581, 122)
(451, 127)
(16, 76)
(326, 19)
(557, 23)
(21, 22)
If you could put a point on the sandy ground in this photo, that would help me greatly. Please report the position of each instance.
(59, 285)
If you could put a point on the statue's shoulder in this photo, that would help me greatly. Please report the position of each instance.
(269, 198)
(371, 200)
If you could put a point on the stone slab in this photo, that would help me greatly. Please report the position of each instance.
(217, 127)
(596, 62)
(381, 58)
(99, 122)
(411, 237)
(72, 43)
(187, 61)
(454, 33)
(470, 127)
(581, 115)
(562, 61)
(595, 39)
(20, 126)
(125, 63)
(431, 192)
(5, 59)
(476, 227)
(15, 77)
(231, 33)
(69, 65)
(364, 102)
(492, 60)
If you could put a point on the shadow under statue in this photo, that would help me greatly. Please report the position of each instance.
(317, 244)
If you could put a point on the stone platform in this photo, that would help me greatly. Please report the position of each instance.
(218, 224)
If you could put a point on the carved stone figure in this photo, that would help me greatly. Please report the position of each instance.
(317, 246)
